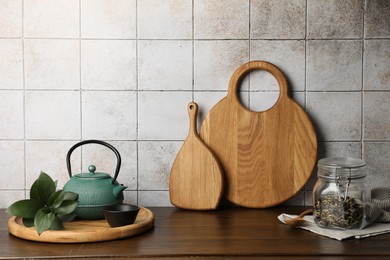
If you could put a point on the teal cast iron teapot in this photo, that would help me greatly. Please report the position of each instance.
(96, 189)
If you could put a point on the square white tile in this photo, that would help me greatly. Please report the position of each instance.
(10, 196)
(50, 157)
(108, 19)
(209, 99)
(376, 116)
(283, 19)
(206, 101)
(131, 197)
(164, 65)
(339, 149)
(163, 115)
(11, 64)
(109, 115)
(168, 19)
(11, 18)
(52, 64)
(11, 114)
(288, 56)
(108, 65)
(308, 198)
(264, 100)
(334, 19)
(334, 149)
(105, 161)
(331, 124)
(376, 155)
(334, 65)
(154, 199)
(12, 163)
(215, 62)
(299, 97)
(261, 80)
(155, 164)
(52, 115)
(377, 19)
(51, 18)
(214, 19)
(376, 65)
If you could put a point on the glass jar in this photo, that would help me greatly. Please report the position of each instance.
(341, 193)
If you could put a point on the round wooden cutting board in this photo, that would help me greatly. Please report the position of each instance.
(83, 231)
(267, 156)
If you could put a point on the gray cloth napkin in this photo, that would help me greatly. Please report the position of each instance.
(373, 230)
(378, 211)
(380, 204)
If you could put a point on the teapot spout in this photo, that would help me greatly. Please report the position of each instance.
(118, 189)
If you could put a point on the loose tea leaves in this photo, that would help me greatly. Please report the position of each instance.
(333, 211)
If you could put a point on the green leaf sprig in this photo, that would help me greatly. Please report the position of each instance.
(47, 208)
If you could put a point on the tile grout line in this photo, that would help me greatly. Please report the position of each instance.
(193, 49)
(80, 90)
(181, 140)
(305, 87)
(24, 107)
(200, 39)
(200, 90)
(137, 100)
(249, 50)
(362, 145)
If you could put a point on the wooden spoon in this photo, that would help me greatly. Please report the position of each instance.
(298, 221)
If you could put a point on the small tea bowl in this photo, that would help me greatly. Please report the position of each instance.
(120, 214)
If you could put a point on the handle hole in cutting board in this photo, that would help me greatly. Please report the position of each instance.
(263, 91)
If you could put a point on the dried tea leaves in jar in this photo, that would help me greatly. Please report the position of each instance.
(333, 211)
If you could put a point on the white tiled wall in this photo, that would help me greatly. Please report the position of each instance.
(124, 71)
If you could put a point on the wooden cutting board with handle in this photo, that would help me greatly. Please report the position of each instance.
(267, 156)
(196, 180)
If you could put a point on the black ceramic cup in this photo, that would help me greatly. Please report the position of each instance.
(120, 214)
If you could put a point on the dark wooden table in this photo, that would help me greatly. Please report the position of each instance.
(228, 232)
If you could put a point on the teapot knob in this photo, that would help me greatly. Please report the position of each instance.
(92, 168)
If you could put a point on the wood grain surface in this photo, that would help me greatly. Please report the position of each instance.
(267, 156)
(224, 233)
(196, 179)
(82, 231)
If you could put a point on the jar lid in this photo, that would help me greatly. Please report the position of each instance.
(341, 162)
(330, 167)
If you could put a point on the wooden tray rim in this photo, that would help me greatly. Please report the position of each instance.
(99, 231)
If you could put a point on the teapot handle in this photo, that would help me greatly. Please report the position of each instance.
(112, 148)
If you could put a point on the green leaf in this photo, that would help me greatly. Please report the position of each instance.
(69, 195)
(42, 188)
(67, 217)
(25, 208)
(28, 222)
(43, 220)
(34, 191)
(67, 207)
(56, 199)
(57, 224)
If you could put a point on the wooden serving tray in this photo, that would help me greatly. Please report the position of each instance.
(83, 231)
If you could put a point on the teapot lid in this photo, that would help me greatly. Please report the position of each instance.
(92, 174)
